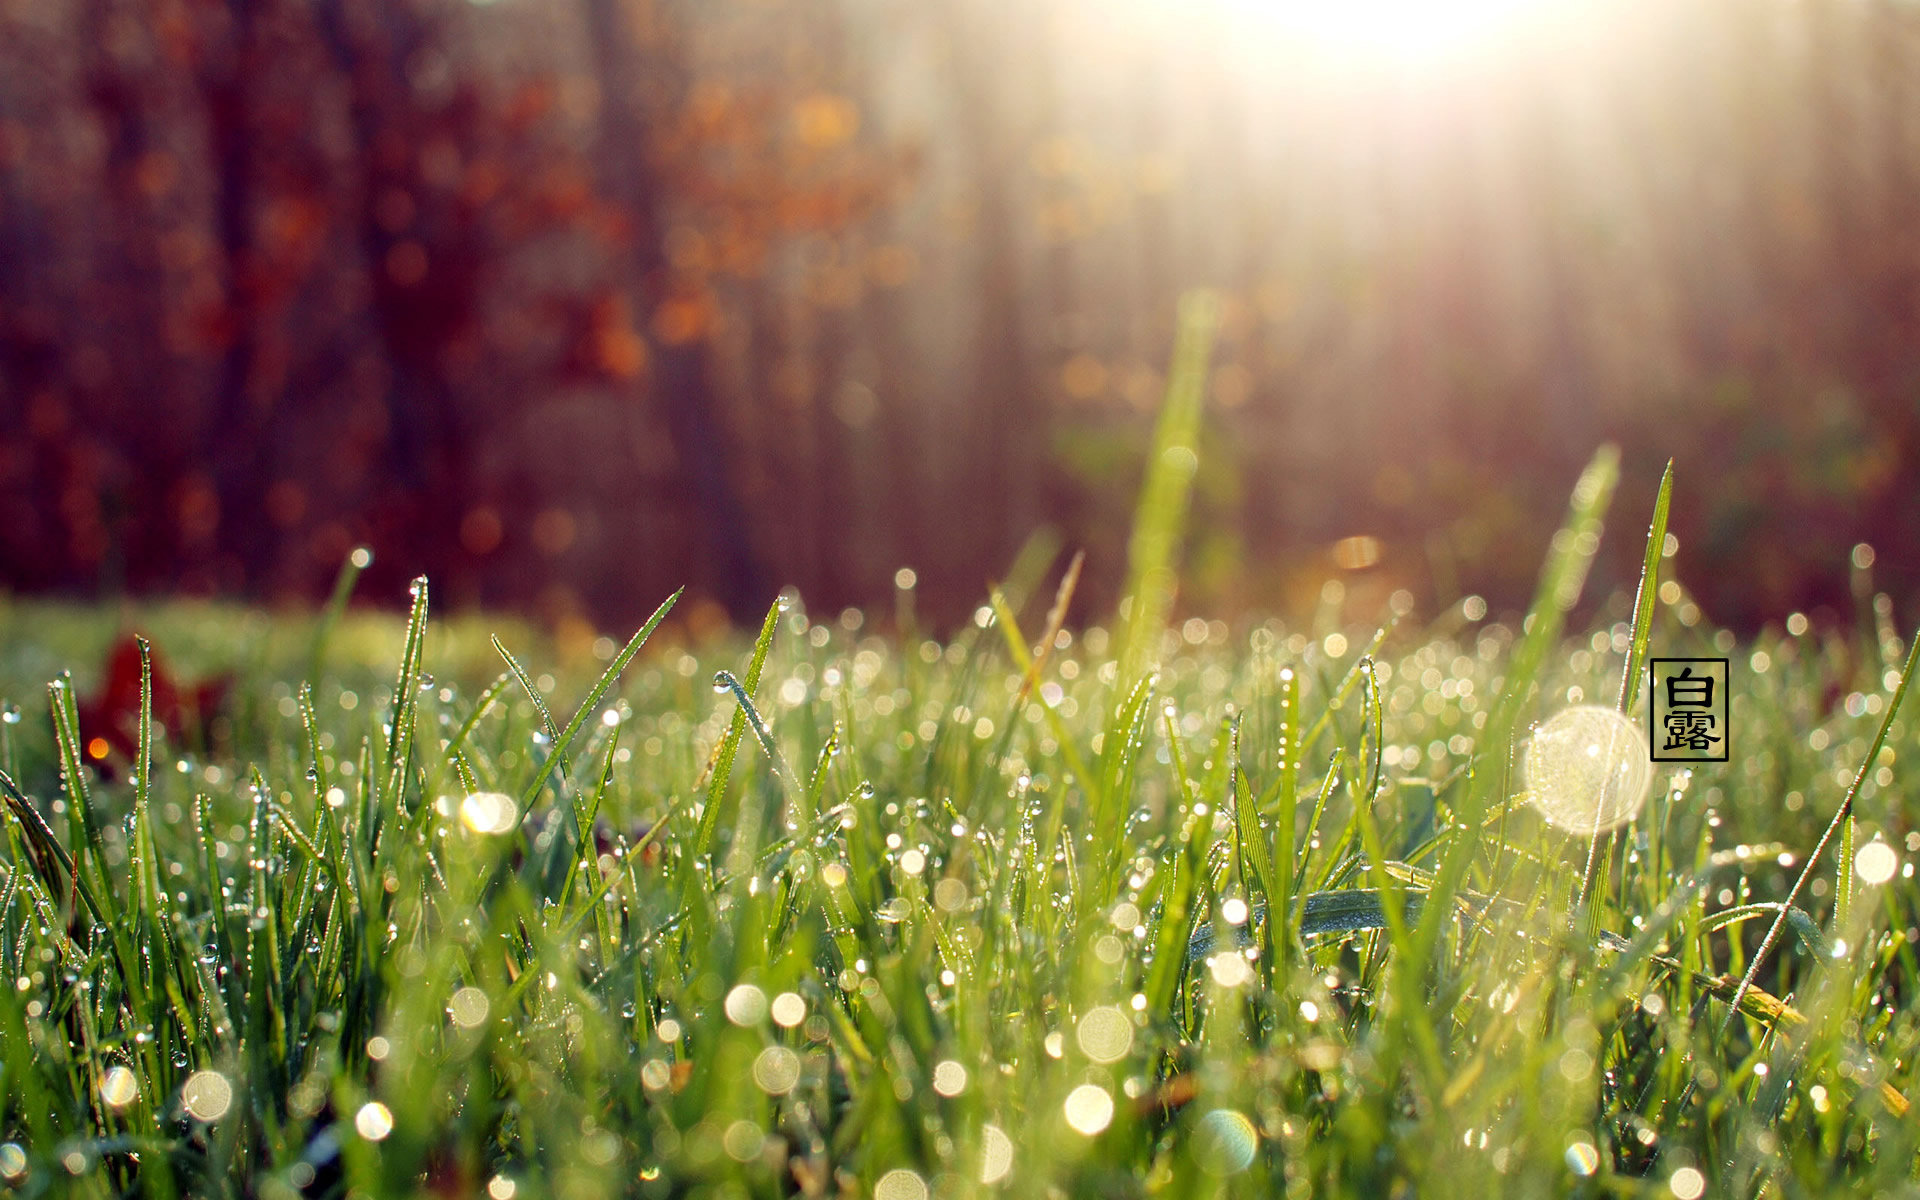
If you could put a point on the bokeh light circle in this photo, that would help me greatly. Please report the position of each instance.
(1224, 1142)
(119, 1087)
(1876, 863)
(1105, 1034)
(996, 1154)
(490, 812)
(1587, 769)
(374, 1121)
(206, 1095)
(1089, 1109)
(900, 1184)
(776, 1070)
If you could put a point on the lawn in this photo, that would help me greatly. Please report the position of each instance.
(1171, 907)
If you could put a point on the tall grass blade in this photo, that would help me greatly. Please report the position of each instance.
(1561, 580)
(1160, 518)
(761, 734)
(336, 607)
(1637, 640)
(722, 775)
(1646, 594)
(406, 699)
(589, 706)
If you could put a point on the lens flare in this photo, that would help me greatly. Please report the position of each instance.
(1587, 770)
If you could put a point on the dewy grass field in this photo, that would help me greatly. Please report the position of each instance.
(923, 920)
(1179, 911)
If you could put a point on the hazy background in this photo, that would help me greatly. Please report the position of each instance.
(569, 302)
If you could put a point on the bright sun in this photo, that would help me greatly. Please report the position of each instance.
(1396, 32)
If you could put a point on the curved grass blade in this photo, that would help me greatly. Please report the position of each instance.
(1811, 936)
(564, 740)
(1056, 618)
(83, 827)
(1347, 683)
(761, 734)
(455, 757)
(1024, 662)
(730, 745)
(545, 767)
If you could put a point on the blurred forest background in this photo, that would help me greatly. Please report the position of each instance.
(568, 302)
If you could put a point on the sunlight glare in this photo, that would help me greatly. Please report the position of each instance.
(1393, 33)
(1587, 769)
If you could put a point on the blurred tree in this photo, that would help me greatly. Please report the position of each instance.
(638, 60)
(569, 304)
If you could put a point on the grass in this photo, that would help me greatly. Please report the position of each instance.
(847, 912)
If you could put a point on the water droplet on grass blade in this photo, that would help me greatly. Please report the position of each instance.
(949, 1078)
(788, 1009)
(469, 1007)
(746, 1005)
(1229, 969)
(1587, 769)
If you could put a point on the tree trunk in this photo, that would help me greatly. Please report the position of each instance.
(724, 560)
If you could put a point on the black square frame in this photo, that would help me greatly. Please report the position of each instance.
(1725, 709)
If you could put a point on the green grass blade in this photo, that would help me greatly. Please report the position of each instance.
(154, 906)
(761, 734)
(563, 741)
(406, 699)
(1561, 580)
(709, 825)
(1630, 677)
(51, 862)
(1023, 662)
(1646, 594)
(1159, 520)
(89, 848)
(1804, 927)
(1842, 816)
(336, 607)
